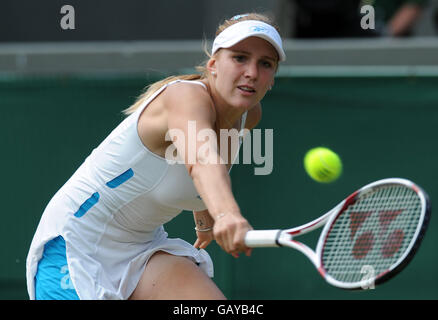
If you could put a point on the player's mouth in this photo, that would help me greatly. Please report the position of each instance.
(246, 90)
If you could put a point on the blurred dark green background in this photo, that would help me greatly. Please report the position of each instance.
(380, 126)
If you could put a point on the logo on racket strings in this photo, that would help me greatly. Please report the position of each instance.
(365, 242)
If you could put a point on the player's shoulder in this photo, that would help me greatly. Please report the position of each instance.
(194, 92)
(189, 97)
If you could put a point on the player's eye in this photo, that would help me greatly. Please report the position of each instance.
(266, 64)
(239, 58)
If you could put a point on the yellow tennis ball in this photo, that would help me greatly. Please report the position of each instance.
(322, 164)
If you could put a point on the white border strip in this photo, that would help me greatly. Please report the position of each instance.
(356, 71)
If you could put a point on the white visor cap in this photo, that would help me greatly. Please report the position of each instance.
(249, 28)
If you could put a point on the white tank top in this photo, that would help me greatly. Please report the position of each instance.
(142, 187)
(116, 201)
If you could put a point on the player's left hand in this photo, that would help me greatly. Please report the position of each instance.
(204, 239)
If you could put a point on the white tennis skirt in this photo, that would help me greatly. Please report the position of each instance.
(113, 271)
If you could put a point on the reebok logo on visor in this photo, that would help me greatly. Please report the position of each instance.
(259, 29)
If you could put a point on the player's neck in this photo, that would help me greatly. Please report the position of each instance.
(226, 115)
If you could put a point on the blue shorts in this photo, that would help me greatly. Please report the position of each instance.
(52, 280)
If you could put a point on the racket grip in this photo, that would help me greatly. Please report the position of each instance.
(262, 238)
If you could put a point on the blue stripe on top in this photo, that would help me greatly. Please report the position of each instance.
(90, 202)
(117, 181)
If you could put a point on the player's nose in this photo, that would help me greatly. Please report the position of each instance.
(251, 70)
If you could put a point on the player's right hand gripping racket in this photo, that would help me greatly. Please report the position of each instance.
(368, 238)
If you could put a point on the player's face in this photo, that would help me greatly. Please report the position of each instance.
(245, 72)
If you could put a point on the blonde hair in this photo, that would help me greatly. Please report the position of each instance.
(201, 69)
(248, 16)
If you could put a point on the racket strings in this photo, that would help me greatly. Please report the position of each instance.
(370, 236)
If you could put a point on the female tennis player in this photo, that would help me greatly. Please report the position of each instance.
(101, 236)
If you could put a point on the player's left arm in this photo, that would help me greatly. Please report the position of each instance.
(204, 228)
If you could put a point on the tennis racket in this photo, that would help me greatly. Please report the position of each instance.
(367, 238)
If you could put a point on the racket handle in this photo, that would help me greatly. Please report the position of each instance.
(262, 238)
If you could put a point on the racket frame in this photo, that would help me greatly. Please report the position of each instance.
(286, 238)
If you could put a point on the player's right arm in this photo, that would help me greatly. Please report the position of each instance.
(190, 108)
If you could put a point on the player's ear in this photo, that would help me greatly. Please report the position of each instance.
(211, 66)
(272, 85)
